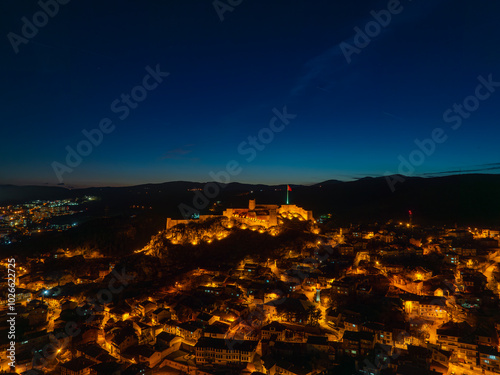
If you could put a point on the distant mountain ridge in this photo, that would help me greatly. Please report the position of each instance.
(466, 198)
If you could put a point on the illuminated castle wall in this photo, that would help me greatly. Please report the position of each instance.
(172, 223)
(262, 214)
(295, 210)
(265, 215)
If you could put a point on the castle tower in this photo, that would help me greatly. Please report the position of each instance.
(251, 204)
(273, 217)
(310, 215)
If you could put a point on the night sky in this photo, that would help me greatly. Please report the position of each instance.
(227, 80)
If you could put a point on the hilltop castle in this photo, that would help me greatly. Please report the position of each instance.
(265, 215)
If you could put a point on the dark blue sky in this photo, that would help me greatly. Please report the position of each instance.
(352, 119)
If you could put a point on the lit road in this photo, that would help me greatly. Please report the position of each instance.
(494, 259)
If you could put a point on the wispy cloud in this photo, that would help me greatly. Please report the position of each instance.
(478, 168)
(393, 116)
(319, 67)
(322, 71)
(180, 153)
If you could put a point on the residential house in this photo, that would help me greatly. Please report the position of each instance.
(94, 352)
(143, 354)
(76, 366)
(223, 352)
(357, 343)
(273, 330)
(122, 340)
(489, 358)
(190, 331)
(217, 330)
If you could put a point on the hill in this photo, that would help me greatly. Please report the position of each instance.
(470, 199)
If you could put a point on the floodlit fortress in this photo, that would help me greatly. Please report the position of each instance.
(265, 215)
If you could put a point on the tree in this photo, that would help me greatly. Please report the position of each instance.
(313, 315)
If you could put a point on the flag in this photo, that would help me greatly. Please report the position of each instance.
(289, 188)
